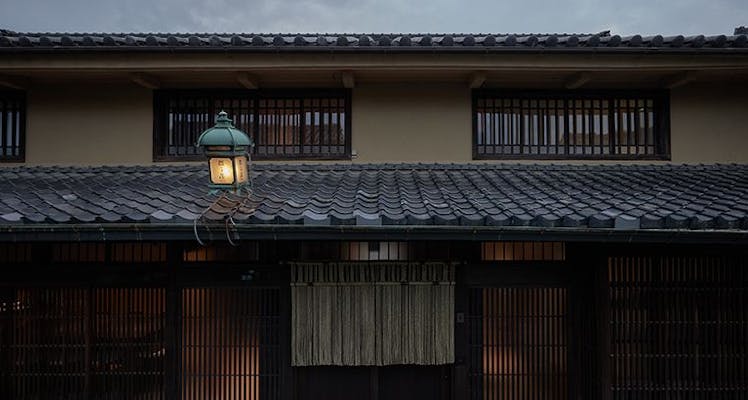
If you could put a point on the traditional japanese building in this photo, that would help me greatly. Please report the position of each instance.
(426, 216)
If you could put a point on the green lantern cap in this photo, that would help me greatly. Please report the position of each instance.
(224, 133)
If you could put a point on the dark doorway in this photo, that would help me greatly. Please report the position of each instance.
(411, 382)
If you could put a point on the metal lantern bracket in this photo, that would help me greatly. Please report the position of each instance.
(225, 141)
(235, 204)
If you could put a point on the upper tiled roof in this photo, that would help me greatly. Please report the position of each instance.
(632, 197)
(480, 42)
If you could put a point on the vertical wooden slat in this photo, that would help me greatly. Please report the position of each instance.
(4, 127)
(675, 315)
(227, 343)
(522, 343)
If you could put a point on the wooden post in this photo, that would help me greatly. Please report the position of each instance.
(374, 383)
(602, 325)
(88, 342)
(287, 385)
(173, 328)
(460, 382)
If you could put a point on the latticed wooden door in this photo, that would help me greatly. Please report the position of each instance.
(140, 343)
(81, 343)
(518, 343)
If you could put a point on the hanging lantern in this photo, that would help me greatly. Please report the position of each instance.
(227, 149)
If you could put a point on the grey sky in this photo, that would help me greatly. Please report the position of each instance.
(497, 16)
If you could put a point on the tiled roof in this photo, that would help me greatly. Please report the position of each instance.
(480, 42)
(630, 197)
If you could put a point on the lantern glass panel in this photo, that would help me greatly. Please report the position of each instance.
(221, 171)
(240, 168)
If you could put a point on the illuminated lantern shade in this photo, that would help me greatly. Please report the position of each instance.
(227, 149)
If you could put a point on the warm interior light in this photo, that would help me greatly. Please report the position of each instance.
(240, 166)
(221, 171)
(220, 352)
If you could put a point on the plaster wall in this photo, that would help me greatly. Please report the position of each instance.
(106, 124)
(709, 123)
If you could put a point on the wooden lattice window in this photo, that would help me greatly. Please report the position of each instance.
(523, 251)
(570, 125)
(678, 327)
(309, 124)
(76, 343)
(87, 342)
(246, 252)
(12, 126)
(374, 251)
(123, 252)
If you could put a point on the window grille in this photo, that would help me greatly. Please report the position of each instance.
(246, 251)
(12, 126)
(678, 327)
(123, 252)
(120, 343)
(572, 125)
(11, 253)
(523, 251)
(283, 124)
(374, 251)
(74, 343)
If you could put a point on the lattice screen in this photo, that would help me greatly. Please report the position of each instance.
(678, 327)
(518, 343)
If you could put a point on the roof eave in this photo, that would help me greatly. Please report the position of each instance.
(217, 232)
(378, 50)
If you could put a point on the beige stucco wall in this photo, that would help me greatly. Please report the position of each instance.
(412, 122)
(709, 123)
(408, 122)
(91, 125)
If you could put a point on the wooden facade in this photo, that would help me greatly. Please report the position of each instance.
(172, 320)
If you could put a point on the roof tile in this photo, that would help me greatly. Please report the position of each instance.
(10, 41)
(585, 196)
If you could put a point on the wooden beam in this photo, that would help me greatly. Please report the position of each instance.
(476, 80)
(247, 80)
(349, 81)
(578, 80)
(14, 82)
(145, 80)
(679, 79)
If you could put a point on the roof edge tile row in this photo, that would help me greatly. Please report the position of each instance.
(602, 41)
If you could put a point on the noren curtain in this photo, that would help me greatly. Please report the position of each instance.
(354, 314)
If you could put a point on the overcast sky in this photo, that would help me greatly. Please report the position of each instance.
(496, 16)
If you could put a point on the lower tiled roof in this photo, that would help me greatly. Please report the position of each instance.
(630, 197)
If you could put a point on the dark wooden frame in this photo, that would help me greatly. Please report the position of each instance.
(514, 274)
(160, 96)
(584, 273)
(661, 123)
(173, 275)
(20, 97)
